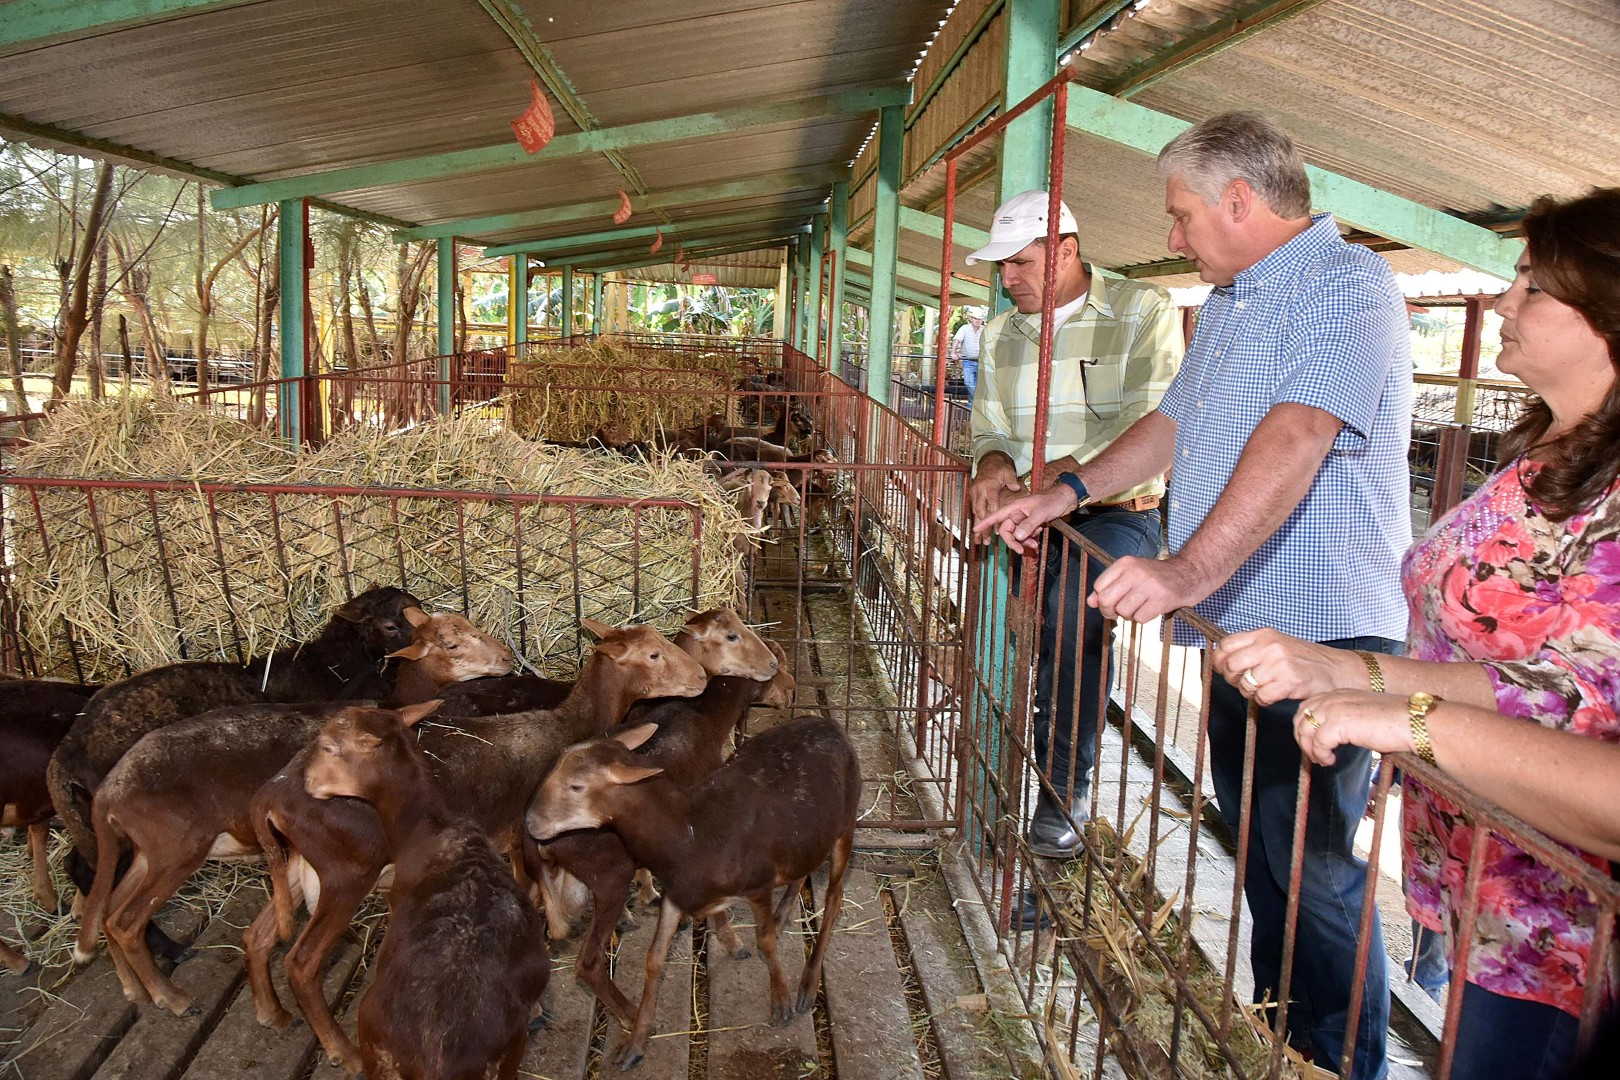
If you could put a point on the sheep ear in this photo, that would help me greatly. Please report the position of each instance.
(410, 714)
(416, 616)
(414, 651)
(630, 738)
(598, 630)
(630, 774)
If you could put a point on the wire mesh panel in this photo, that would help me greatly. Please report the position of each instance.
(104, 578)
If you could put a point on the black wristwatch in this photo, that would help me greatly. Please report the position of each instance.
(1076, 485)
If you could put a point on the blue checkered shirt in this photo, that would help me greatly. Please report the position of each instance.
(1317, 322)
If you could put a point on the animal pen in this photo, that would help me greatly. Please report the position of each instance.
(434, 475)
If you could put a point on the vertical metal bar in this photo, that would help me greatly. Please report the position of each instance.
(1386, 774)
(518, 609)
(291, 231)
(947, 259)
(567, 301)
(596, 303)
(1465, 943)
(224, 577)
(50, 559)
(168, 579)
(812, 306)
(885, 243)
(517, 302)
(838, 244)
(446, 300)
(1296, 876)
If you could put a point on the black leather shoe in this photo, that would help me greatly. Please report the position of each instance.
(1028, 915)
(1050, 834)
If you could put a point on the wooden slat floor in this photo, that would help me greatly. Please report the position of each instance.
(901, 998)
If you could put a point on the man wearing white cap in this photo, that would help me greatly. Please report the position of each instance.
(965, 346)
(1115, 348)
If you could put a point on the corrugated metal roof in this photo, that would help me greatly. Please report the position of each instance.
(279, 88)
(750, 270)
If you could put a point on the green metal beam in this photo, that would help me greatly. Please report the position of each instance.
(1031, 59)
(517, 300)
(634, 232)
(28, 131)
(1094, 113)
(1204, 44)
(818, 247)
(924, 274)
(838, 244)
(29, 23)
(567, 320)
(290, 239)
(862, 285)
(446, 300)
(589, 260)
(515, 24)
(1090, 24)
(921, 221)
(674, 198)
(885, 248)
(507, 154)
(713, 248)
(596, 302)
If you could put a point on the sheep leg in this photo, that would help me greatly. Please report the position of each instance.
(646, 891)
(257, 942)
(133, 907)
(13, 959)
(509, 1063)
(341, 897)
(765, 926)
(608, 892)
(829, 918)
(39, 835)
(631, 1054)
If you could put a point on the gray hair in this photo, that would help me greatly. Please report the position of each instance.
(1240, 146)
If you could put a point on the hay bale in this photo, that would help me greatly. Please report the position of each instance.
(566, 394)
(139, 578)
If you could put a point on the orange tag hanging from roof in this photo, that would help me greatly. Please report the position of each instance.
(658, 242)
(622, 214)
(535, 126)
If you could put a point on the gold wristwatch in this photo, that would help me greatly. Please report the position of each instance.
(1417, 708)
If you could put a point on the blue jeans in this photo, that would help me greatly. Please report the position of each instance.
(1503, 1038)
(1333, 878)
(970, 375)
(1066, 750)
(1429, 967)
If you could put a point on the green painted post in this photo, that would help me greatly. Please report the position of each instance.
(1030, 60)
(596, 303)
(568, 301)
(447, 317)
(838, 244)
(818, 245)
(291, 237)
(519, 300)
(885, 250)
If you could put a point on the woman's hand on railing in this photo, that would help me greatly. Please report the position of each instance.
(1268, 666)
(1377, 722)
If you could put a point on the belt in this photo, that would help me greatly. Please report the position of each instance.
(1141, 502)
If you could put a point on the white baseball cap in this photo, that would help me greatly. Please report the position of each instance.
(1019, 222)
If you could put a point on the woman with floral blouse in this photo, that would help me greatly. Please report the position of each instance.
(1514, 639)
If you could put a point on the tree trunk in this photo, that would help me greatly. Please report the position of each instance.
(377, 356)
(75, 320)
(8, 311)
(98, 308)
(271, 293)
(137, 279)
(123, 347)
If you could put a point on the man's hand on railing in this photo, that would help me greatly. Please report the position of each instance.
(995, 480)
(1268, 666)
(1141, 590)
(1019, 521)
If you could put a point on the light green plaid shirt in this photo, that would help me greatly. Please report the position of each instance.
(1112, 361)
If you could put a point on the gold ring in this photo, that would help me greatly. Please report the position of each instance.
(1248, 679)
(1312, 719)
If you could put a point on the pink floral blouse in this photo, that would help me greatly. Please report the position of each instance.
(1538, 603)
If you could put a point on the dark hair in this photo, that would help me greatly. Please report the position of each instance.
(1574, 250)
